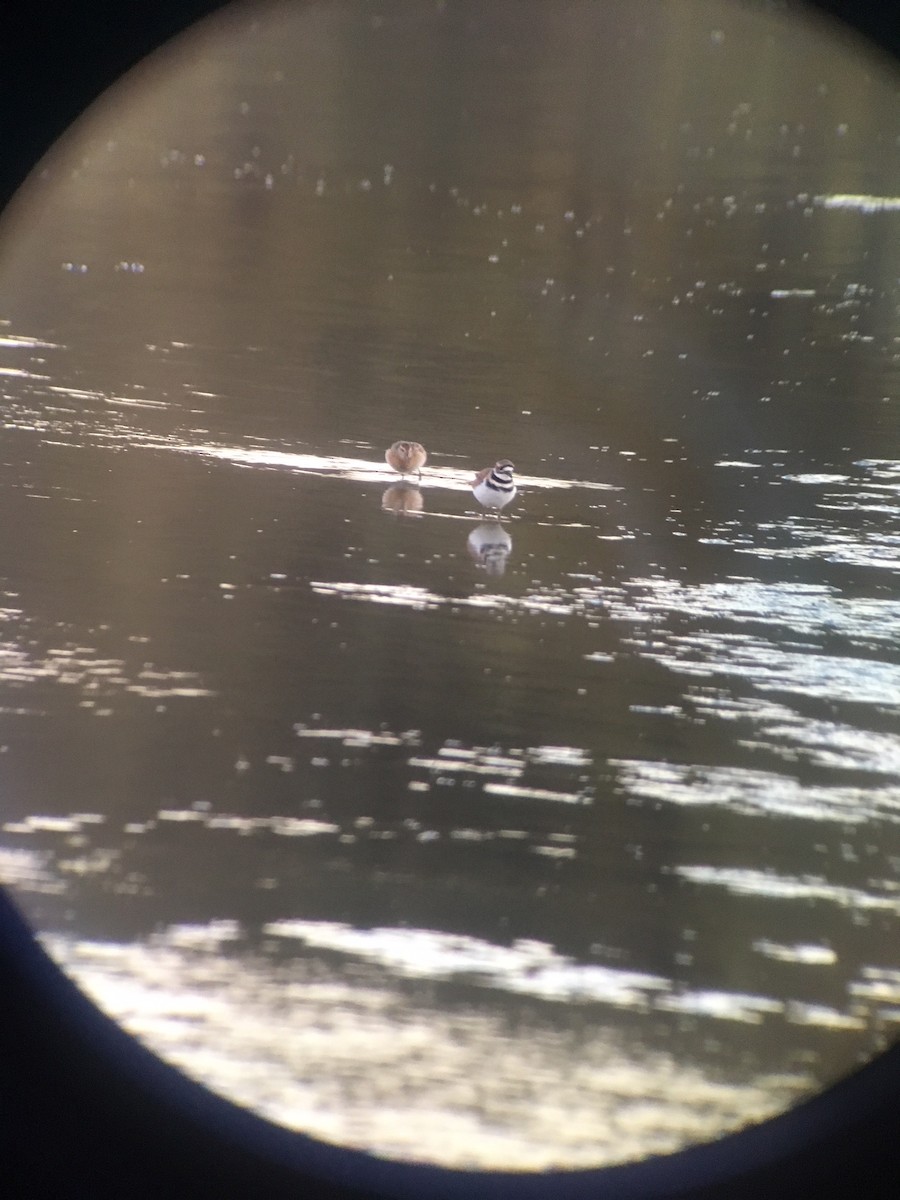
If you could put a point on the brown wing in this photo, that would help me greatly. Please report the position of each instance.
(481, 476)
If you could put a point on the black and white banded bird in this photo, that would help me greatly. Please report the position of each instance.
(493, 487)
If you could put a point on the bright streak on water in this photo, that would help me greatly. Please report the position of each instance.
(814, 955)
(757, 793)
(524, 793)
(769, 885)
(526, 966)
(20, 341)
(365, 470)
(859, 203)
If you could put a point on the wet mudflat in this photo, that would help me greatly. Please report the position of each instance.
(557, 840)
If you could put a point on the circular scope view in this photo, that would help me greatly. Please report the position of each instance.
(450, 644)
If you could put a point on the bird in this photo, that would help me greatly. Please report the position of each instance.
(404, 499)
(493, 487)
(406, 457)
(490, 546)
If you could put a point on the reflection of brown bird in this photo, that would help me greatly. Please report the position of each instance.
(406, 457)
(404, 499)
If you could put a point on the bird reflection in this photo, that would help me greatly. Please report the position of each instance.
(490, 546)
(404, 499)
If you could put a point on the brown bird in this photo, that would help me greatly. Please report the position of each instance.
(406, 457)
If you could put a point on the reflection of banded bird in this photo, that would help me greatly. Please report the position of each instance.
(490, 545)
(404, 499)
(493, 487)
(406, 457)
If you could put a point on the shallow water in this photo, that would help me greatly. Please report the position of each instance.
(559, 840)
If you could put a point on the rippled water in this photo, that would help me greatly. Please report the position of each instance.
(557, 840)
